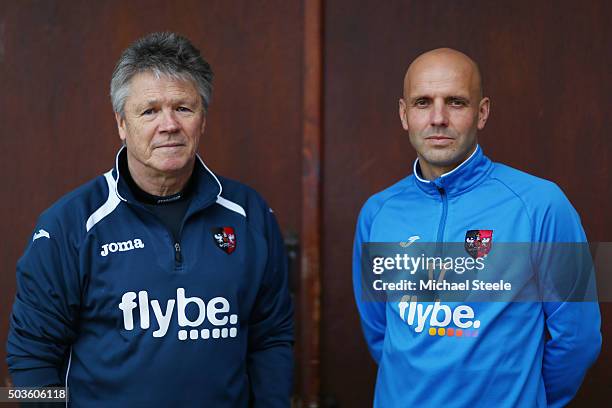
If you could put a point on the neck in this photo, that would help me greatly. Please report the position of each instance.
(431, 171)
(157, 183)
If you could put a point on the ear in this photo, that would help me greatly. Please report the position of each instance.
(121, 126)
(483, 112)
(403, 113)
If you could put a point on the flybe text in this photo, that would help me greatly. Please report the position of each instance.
(216, 312)
(436, 315)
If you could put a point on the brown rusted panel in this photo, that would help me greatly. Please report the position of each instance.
(546, 68)
(310, 308)
(56, 125)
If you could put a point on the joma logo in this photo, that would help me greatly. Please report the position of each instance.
(121, 246)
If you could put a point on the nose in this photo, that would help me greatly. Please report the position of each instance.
(439, 114)
(168, 124)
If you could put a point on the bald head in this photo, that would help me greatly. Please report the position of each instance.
(443, 109)
(428, 66)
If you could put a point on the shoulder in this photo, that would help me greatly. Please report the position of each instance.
(536, 192)
(71, 211)
(377, 201)
(553, 217)
(239, 197)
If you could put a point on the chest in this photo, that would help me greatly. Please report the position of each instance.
(138, 277)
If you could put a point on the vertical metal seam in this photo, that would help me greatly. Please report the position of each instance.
(310, 280)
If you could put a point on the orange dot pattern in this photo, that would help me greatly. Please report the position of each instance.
(451, 332)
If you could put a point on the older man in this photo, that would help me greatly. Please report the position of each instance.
(457, 354)
(158, 283)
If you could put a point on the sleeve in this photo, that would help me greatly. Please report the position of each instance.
(574, 325)
(371, 311)
(46, 304)
(270, 349)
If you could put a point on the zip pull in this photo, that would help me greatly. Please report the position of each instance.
(177, 253)
(441, 190)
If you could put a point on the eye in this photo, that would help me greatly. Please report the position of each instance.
(147, 112)
(457, 102)
(183, 109)
(421, 103)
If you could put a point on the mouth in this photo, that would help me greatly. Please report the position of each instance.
(438, 137)
(439, 141)
(170, 145)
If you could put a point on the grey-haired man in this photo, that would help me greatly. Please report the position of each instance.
(158, 283)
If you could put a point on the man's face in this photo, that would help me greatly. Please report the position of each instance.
(163, 121)
(442, 111)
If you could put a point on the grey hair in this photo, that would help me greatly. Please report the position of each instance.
(163, 54)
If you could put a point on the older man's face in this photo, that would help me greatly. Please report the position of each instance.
(162, 124)
(442, 110)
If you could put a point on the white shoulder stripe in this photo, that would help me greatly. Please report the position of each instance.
(212, 174)
(230, 205)
(108, 207)
(67, 372)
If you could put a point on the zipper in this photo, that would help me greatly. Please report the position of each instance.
(178, 257)
(441, 226)
(444, 213)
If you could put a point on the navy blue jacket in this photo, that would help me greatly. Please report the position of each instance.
(110, 305)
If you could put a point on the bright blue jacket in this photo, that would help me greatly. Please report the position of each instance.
(108, 304)
(512, 362)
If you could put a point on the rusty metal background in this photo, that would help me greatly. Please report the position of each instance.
(545, 66)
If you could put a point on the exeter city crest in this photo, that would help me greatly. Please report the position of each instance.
(478, 242)
(225, 238)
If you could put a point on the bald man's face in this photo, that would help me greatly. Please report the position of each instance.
(442, 110)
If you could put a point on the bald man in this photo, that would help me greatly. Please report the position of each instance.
(433, 352)
(442, 109)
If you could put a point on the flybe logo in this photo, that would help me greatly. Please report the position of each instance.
(441, 319)
(121, 246)
(216, 311)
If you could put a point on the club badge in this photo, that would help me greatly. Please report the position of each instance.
(224, 238)
(478, 243)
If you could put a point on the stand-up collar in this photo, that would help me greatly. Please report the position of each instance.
(206, 186)
(459, 180)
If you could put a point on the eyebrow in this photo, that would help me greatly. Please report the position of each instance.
(153, 102)
(446, 98)
(148, 102)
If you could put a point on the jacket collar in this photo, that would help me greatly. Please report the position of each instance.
(206, 186)
(459, 180)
